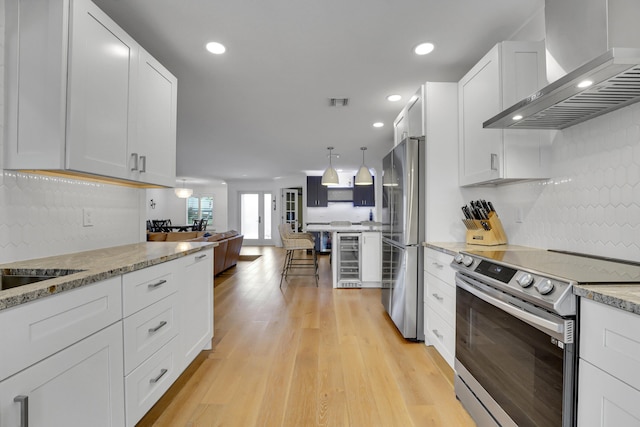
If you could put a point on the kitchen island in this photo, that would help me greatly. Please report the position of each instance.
(101, 345)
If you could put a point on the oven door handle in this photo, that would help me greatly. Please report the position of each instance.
(554, 329)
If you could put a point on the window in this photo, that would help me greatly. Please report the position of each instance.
(200, 208)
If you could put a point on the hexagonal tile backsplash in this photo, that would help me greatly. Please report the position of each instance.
(592, 203)
(43, 216)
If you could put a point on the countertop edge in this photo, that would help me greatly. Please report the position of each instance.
(14, 297)
(616, 296)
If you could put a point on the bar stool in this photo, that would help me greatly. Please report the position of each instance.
(293, 242)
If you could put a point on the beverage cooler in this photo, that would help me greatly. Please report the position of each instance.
(346, 260)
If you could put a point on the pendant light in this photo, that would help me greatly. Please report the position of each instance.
(183, 192)
(330, 176)
(363, 177)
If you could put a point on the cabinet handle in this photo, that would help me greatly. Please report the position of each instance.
(157, 328)
(24, 409)
(437, 334)
(438, 297)
(201, 256)
(135, 161)
(143, 160)
(437, 265)
(156, 379)
(158, 283)
(494, 162)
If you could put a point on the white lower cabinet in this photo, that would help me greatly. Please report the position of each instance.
(103, 354)
(148, 382)
(440, 304)
(79, 386)
(609, 366)
(196, 294)
(371, 256)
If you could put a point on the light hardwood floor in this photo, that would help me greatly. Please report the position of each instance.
(306, 356)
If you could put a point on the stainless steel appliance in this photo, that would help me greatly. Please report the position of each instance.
(516, 333)
(348, 260)
(402, 236)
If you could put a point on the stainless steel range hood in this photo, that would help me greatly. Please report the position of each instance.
(601, 38)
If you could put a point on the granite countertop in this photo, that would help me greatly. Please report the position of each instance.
(342, 228)
(452, 248)
(624, 297)
(96, 265)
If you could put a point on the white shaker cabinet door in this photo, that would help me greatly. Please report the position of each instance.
(155, 147)
(102, 66)
(78, 387)
(196, 317)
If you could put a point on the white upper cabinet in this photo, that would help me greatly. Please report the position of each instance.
(411, 120)
(84, 97)
(506, 74)
(155, 142)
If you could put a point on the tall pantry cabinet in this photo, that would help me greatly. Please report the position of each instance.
(102, 105)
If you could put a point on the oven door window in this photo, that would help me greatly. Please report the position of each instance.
(516, 364)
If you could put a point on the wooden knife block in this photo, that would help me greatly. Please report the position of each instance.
(493, 237)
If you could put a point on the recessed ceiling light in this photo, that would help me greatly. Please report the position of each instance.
(424, 48)
(378, 124)
(517, 117)
(585, 83)
(216, 48)
(394, 98)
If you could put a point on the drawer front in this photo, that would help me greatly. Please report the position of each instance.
(441, 297)
(148, 330)
(148, 382)
(438, 264)
(32, 331)
(143, 287)
(605, 401)
(610, 340)
(441, 335)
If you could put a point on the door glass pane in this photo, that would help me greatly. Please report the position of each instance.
(192, 209)
(206, 208)
(267, 216)
(250, 213)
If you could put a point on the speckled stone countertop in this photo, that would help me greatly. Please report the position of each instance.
(452, 248)
(624, 297)
(96, 265)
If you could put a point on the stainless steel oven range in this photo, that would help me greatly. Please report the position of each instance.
(516, 332)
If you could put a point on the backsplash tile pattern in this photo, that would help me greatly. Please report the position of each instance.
(592, 203)
(43, 216)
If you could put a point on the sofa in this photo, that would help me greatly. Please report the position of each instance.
(225, 255)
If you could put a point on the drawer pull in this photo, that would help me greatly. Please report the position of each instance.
(438, 297)
(156, 379)
(158, 283)
(437, 334)
(201, 256)
(157, 328)
(24, 409)
(438, 265)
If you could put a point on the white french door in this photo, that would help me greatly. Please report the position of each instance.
(290, 207)
(255, 217)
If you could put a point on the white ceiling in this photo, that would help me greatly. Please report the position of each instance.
(261, 110)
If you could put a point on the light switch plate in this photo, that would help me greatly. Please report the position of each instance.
(87, 217)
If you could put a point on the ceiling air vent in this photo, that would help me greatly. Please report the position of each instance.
(338, 102)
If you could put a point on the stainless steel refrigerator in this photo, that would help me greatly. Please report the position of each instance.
(403, 231)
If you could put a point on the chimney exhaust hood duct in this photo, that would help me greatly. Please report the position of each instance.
(600, 41)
